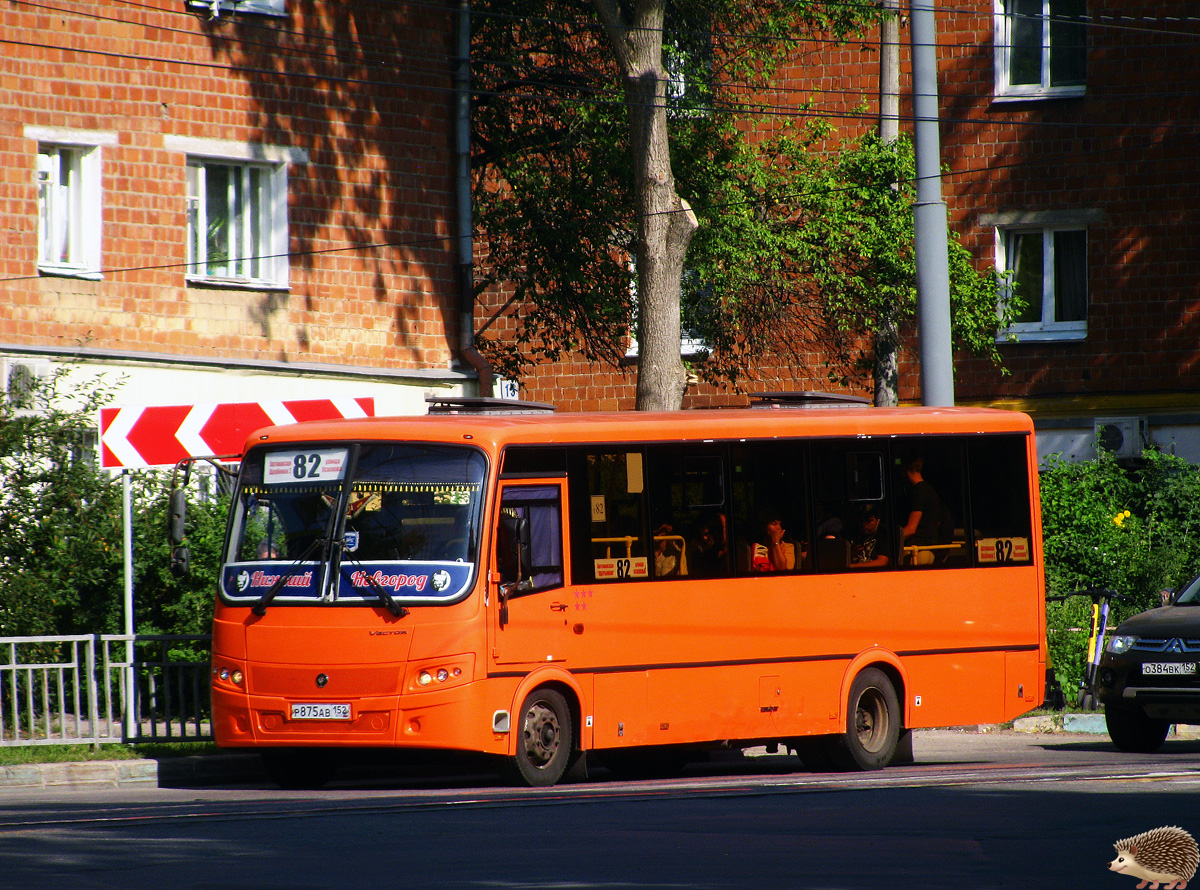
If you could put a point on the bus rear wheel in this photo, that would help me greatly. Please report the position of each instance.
(546, 739)
(872, 724)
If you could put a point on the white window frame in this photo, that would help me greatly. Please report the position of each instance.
(1004, 88)
(1048, 223)
(216, 8)
(690, 348)
(70, 199)
(258, 244)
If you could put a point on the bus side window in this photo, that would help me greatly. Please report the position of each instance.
(854, 528)
(688, 511)
(539, 509)
(617, 521)
(932, 514)
(1000, 509)
(769, 530)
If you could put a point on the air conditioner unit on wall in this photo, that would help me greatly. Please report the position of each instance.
(19, 378)
(1122, 436)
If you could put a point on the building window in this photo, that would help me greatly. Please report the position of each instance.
(1041, 48)
(237, 222)
(216, 8)
(68, 183)
(692, 345)
(1048, 269)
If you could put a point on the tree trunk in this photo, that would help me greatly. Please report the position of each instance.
(887, 365)
(665, 222)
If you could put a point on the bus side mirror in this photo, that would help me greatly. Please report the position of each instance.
(178, 517)
(181, 561)
(514, 549)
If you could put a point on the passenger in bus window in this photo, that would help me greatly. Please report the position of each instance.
(870, 547)
(774, 553)
(709, 558)
(668, 552)
(922, 525)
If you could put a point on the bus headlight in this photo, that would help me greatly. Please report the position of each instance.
(227, 676)
(1119, 645)
(450, 672)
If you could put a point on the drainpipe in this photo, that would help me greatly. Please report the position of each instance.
(462, 177)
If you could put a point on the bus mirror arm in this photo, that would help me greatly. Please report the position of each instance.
(507, 590)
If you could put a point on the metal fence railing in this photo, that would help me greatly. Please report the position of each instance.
(104, 688)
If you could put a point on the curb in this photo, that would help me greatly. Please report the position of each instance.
(171, 772)
(1090, 724)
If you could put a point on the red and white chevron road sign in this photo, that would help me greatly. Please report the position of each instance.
(161, 436)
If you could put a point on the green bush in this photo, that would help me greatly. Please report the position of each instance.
(62, 526)
(1128, 527)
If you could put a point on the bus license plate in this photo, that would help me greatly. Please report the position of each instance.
(1169, 667)
(322, 711)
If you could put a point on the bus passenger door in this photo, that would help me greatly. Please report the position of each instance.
(531, 612)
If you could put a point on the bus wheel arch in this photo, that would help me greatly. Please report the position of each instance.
(873, 719)
(545, 734)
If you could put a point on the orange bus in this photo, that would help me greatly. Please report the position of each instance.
(629, 588)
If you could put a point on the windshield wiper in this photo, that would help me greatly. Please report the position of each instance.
(260, 607)
(382, 592)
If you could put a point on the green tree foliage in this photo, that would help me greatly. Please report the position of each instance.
(797, 246)
(1132, 529)
(62, 527)
(857, 240)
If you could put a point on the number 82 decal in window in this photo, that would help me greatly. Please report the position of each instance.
(1002, 550)
(622, 569)
(315, 465)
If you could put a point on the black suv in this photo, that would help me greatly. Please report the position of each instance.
(1149, 674)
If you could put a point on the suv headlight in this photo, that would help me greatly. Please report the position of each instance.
(1119, 645)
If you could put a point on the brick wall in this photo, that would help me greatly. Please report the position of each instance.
(1126, 152)
(363, 88)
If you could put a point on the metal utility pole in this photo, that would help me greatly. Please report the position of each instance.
(929, 217)
(887, 335)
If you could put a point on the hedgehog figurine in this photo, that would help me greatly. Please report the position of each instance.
(1163, 856)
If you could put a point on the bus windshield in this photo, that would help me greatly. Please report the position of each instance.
(337, 524)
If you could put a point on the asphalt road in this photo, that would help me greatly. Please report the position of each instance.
(977, 810)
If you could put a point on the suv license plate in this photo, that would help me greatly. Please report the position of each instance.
(1169, 667)
(322, 711)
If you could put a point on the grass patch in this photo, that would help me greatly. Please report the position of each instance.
(76, 753)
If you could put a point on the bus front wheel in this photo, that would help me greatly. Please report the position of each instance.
(546, 739)
(299, 768)
(872, 723)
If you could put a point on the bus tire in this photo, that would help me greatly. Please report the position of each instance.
(872, 723)
(545, 741)
(299, 768)
(1134, 732)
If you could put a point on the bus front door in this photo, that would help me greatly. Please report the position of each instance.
(531, 612)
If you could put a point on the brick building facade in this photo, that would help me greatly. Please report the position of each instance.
(1080, 160)
(249, 199)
